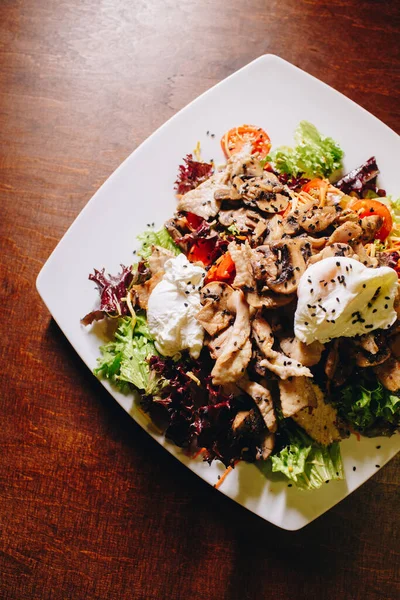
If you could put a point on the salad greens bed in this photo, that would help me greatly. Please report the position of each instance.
(130, 360)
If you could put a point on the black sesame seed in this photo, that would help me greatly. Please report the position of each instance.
(378, 447)
(378, 466)
(337, 263)
(354, 468)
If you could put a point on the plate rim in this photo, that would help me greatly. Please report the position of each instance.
(41, 277)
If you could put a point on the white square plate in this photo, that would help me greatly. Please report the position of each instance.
(141, 191)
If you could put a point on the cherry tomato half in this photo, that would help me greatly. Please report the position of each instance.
(316, 184)
(368, 208)
(234, 140)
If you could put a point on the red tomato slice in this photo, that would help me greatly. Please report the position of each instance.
(194, 221)
(201, 251)
(367, 208)
(234, 140)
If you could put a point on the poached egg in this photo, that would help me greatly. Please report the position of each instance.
(341, 297)
(173, 306)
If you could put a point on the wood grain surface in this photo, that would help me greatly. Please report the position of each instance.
(90, 506)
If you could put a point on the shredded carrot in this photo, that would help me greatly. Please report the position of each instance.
(225, 475)
(358, 436)
(201, 451)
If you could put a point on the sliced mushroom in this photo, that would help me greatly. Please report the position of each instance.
(291, 263)
(265, 193)
(291, 225)
(315, 220)
(176, 228)
(244, 219)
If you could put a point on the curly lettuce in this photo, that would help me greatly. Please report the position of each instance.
(307, 463)
(151, 238)
(124, 360)
(369, 407)
(314, 155)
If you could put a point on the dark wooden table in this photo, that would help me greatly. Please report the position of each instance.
(90, 506)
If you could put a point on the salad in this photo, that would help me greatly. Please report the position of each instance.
(262, 322)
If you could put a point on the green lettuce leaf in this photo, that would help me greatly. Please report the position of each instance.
(151, 238)
(123, 360)
(366, 404)
(313, 155)
(307, 463)
(233, 229)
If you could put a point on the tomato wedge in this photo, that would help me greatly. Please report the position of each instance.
(234, 140)
(223, 270)
(367, 208)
